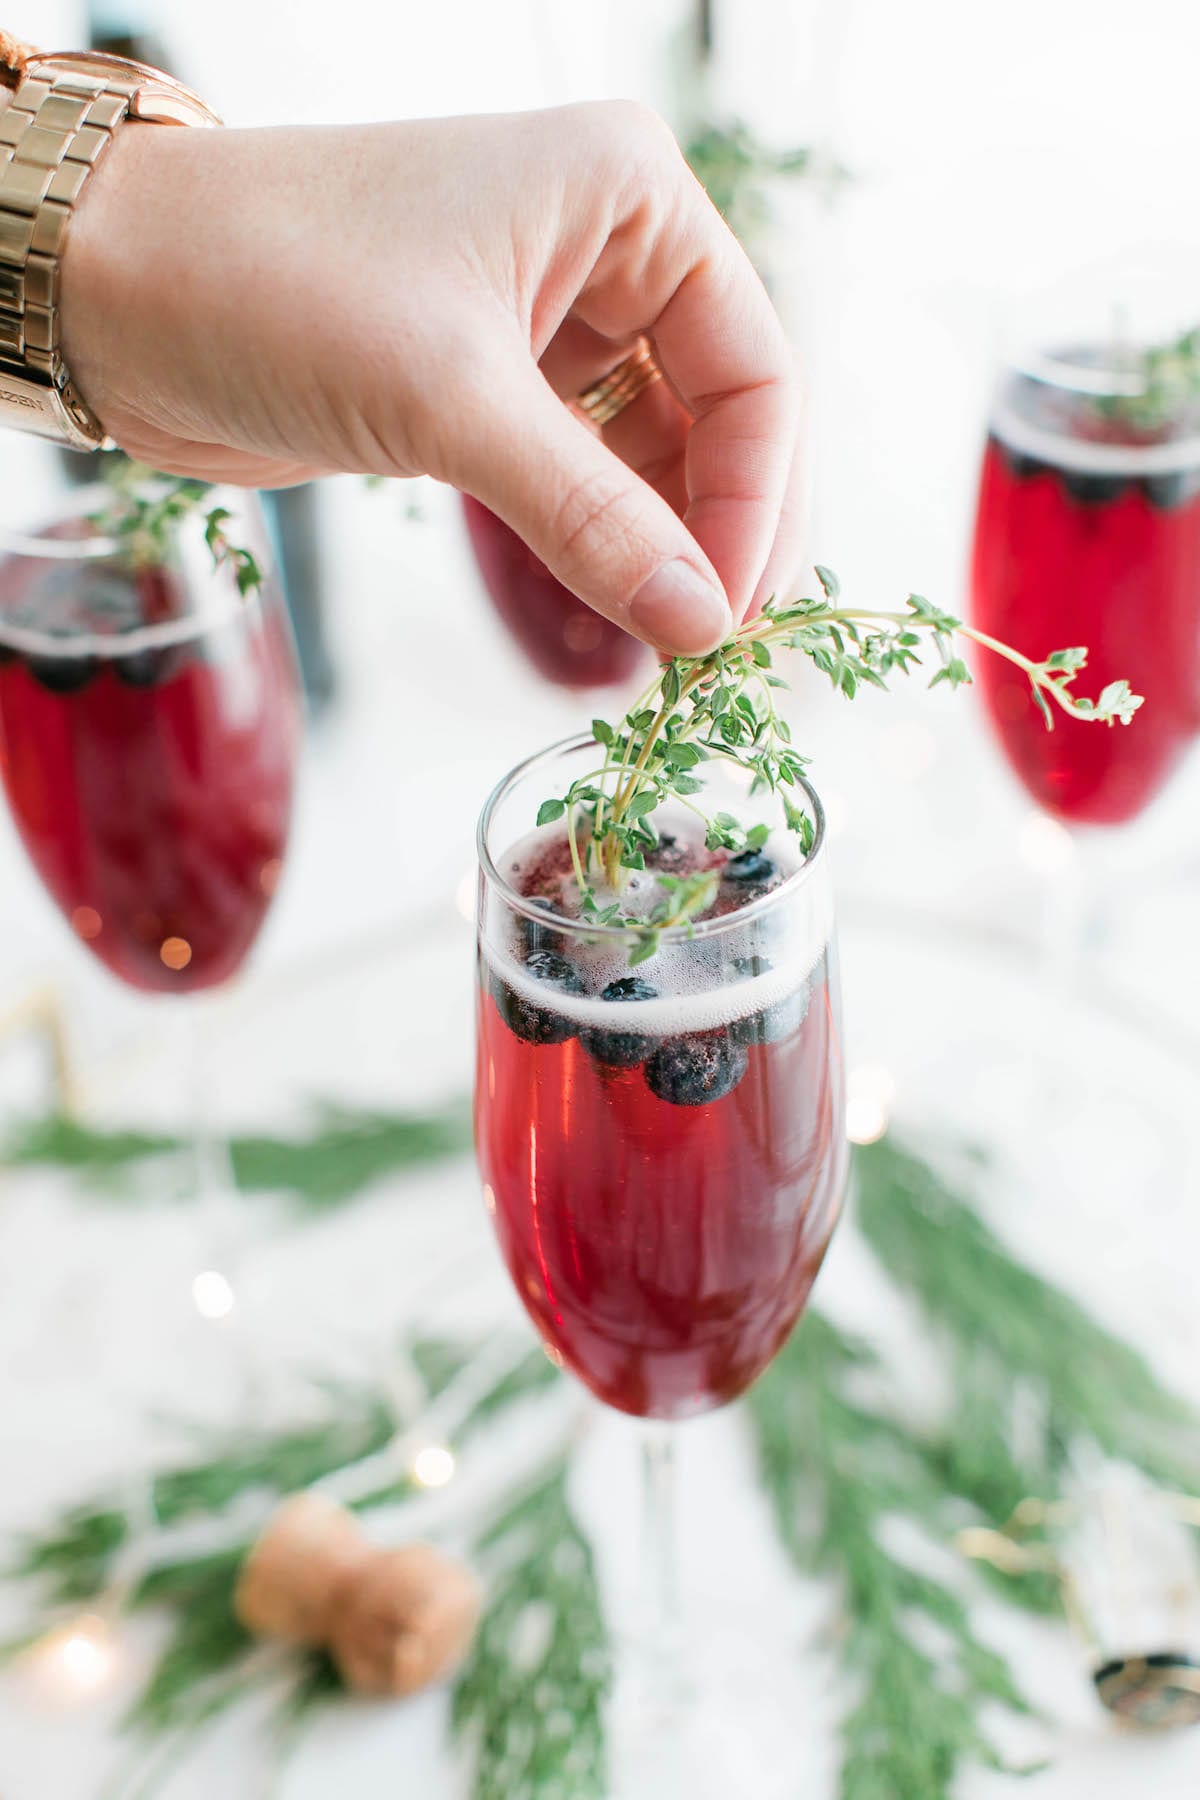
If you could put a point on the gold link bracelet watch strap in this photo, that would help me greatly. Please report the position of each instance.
(61, 119)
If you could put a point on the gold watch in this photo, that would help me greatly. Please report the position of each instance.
(60, 121)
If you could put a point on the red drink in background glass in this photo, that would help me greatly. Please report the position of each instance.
(1089, 533)
(662, 1147)
(147, 755)
(565, 640)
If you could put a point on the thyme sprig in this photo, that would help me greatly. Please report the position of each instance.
(722, 707)
(1169, 375)
(740, 173)
(147, 510)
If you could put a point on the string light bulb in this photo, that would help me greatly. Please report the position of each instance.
(79, 1658)
(212, 1294)
(433, 1466)
(870, 1092)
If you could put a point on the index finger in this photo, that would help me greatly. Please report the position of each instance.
(723, 349)
(683, 280)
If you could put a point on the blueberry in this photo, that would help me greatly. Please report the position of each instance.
(1021, 466)
(696, 1070)
(1175, 489)
(145, 668)
(1090, 489)
(536, 936)
(620, 1049)
(670, 857)
(750, 866)
(537, 1024)
(62, 674)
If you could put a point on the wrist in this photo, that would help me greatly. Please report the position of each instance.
(94, 299)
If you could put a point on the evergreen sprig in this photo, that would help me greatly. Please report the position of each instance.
(345, 1151)
(917, 1716)
(1016, 1338)
(147, 509)
(737, 170)
(531, 1698)
(722, 707)
(202, 1667)
(842, 1464)
(840, 1469)
(1168, 375)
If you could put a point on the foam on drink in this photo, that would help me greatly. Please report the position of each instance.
(698, 982)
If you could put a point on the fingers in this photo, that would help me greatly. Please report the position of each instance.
(673, 270)
(604, 532)
(779, 578)
(650, 434)
(725, 352)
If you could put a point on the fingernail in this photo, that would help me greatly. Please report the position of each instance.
(680, 611)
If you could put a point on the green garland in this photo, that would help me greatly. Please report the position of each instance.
(839, 1460)
(346, 1151)
(537, 1728)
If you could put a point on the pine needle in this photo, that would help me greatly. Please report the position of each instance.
(345, 1152)
(836, 1470)
(1015, 1337)
(531, 1697)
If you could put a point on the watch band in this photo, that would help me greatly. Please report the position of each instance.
(61, 120)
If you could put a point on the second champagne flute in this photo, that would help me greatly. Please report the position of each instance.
(149, 730)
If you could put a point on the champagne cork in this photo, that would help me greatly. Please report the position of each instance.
(289, 1581)
(404, 1620)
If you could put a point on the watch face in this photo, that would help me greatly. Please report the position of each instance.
(160, 96)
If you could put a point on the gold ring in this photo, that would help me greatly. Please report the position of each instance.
(609, 396)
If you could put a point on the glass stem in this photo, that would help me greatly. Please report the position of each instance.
(660, 1552)
(212, 1171)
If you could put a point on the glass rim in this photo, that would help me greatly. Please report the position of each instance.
(31, 641)
(1057, 369)
(710, 928)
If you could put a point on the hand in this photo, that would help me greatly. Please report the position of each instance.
(265, 306)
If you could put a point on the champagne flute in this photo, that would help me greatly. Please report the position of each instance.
(149, 731)
(662, 1150)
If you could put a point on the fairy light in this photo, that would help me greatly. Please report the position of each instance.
(433, 1466)
(870, 1092)
(212, 1294)
(86, 923)
(175, 953)
(79, 1658)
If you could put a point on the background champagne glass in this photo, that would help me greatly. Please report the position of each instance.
(1087, 532)
(149, 730)
(564, 640)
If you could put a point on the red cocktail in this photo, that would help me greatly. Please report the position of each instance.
(565, 640)
(148, 734)
(1088, 532)
(662, 1147)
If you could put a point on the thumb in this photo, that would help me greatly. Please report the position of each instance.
(603, 531)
